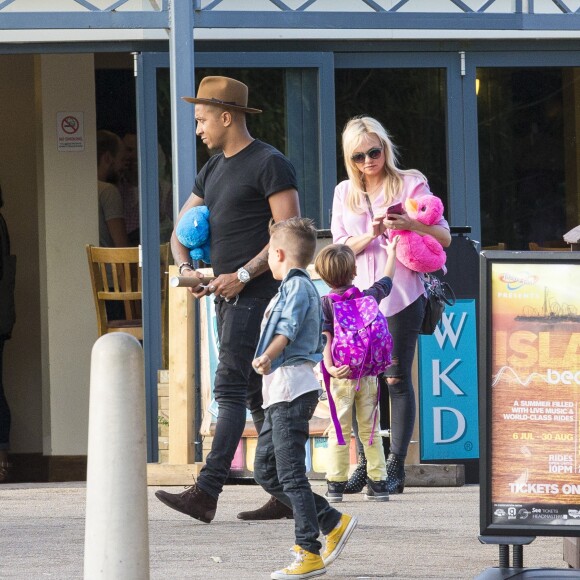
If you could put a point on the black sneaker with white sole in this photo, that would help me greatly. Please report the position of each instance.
(377, 490)
(335, 491)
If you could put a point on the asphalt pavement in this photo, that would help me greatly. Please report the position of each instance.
(426, 532)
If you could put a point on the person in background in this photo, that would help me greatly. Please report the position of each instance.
(129, 187)
(359, 219)
(110, 158)
(244, 186)
(112, 232)
(165, 197)
(290, 344)
(7, 320)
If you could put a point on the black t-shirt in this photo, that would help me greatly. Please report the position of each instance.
(236, 190)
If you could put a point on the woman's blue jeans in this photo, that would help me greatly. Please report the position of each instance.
(280, 468)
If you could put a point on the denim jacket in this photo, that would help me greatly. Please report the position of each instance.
(296, 313)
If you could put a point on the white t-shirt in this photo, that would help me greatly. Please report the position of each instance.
(288, 383)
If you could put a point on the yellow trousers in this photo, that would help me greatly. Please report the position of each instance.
(346, 396)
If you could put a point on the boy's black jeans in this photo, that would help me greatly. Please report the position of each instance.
(280, 468)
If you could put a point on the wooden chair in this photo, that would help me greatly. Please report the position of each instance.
(116, 278)
(535, 247)
(498, 246)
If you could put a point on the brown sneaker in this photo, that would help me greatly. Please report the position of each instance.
(192, 502)
(273, 509)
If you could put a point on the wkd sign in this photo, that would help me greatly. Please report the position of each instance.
(448, 391)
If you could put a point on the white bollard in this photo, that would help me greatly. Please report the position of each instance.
(116, 527)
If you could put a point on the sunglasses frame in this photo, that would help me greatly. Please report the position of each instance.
(361, 157)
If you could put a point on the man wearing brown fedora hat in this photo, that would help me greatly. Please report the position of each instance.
(244, 186)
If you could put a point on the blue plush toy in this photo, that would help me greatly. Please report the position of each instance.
(193, 232)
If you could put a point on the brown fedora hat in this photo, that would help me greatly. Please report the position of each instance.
(222, 92)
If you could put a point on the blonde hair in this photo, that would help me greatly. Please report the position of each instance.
(336, 265)
(352, 135)
(297, 236)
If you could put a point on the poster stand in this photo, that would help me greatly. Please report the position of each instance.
(516, 570)
(504, 542)
(529, 405)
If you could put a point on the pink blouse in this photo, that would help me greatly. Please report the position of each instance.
(370, 263)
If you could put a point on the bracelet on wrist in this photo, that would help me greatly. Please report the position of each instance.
(185, 266)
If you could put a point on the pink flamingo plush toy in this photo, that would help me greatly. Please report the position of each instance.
(421, 253)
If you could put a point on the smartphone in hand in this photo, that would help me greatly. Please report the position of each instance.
(396, 209)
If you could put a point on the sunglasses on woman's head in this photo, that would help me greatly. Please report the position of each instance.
(373, 153)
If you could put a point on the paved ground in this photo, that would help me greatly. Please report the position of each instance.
(426, 533)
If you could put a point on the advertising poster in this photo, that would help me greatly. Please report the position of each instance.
(448, 393)
(534, 393)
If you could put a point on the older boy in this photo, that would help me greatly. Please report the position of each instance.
(290, 345)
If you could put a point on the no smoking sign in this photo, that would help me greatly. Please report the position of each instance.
(70, 131)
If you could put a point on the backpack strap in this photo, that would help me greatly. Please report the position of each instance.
(375, 414)
(331, 405)
(353, 292)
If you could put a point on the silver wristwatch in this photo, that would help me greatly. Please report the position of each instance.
(243, 276)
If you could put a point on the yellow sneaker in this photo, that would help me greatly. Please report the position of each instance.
(336, 540)
(306, 565)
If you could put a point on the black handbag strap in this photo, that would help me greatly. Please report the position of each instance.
(441, 289)
(448, 296)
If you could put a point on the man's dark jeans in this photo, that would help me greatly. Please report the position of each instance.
(280, 468)
(236, 385)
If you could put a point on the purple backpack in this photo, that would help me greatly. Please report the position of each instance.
(361, 340)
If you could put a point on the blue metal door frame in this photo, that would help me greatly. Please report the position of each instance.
(149, 218)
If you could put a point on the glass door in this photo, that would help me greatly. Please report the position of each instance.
(411, 94)
(525, 146)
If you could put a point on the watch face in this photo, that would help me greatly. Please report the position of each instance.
(243, 275)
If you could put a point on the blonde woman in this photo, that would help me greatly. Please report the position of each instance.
(360, 219)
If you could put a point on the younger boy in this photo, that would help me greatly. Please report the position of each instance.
(336, 265)
(290, 345)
